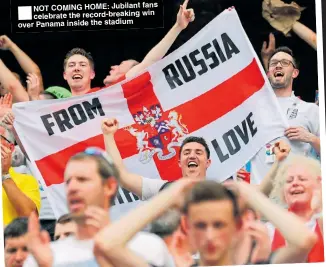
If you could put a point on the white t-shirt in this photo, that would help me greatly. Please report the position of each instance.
(79, 253)
(299, 113)
(151, 187)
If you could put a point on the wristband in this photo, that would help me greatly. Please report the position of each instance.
(5, 177)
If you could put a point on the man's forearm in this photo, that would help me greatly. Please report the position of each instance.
(157, 52)
(11, 83)
(266, 185)
(305, 34)
(120, 232)
(315, 143)
(26, 63)
(22, 204)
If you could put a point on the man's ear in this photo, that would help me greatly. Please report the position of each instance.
(295, 73)
(92, 74)
(184, 227)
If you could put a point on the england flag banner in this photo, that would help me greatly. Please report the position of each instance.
(213, 86)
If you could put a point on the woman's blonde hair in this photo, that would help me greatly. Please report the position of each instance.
(312, 165)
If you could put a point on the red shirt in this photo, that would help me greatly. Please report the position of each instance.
(317, 252)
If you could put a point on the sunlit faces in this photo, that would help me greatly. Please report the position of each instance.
(16, 251)
(63, 230)
(85, 187)
(193, 160)
(281, 76)
(299, 185)
(212, 229)
(78, 73)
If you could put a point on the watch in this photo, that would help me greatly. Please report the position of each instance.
(5, 177)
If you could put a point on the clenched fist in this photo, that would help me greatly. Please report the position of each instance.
(110, 126)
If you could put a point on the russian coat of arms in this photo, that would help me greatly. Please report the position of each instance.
(156, 134)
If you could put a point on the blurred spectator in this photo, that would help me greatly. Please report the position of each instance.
(64, 227)
(15, 243)
(91, 186)
(118, 71)
(20, 192)
(169, 228)
(298, 185)
(8, 79)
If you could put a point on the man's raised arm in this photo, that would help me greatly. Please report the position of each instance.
(10, 83)
(130, 181)
(25, 62)
(184, 16)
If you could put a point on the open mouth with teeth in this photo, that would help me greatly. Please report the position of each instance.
(192, 164)
(297, 192)
(278, 74)
(77, 77)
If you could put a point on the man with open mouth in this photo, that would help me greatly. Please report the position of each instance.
(303, 117)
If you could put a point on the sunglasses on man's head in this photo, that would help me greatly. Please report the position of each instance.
(94, 151)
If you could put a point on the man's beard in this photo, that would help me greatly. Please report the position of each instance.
(280, 85)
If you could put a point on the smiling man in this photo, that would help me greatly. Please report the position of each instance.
(194, 159)
(303, 117)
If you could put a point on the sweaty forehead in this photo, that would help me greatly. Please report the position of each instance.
(281, 55)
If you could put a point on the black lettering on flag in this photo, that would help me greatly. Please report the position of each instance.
(63, 121)
(242, 133)
(231, 139)
(251, 124)
(80, 112)
(75, 113)
(185, 76)
(229, 46)
(198, 62)
(218, 150)
(211, 55)
(227, 141)
(48, 125)
(219, 51)
(93, 107)
(174, 78)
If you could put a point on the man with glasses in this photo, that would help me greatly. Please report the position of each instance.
(91, 184)
(303, 117)
(20, 192)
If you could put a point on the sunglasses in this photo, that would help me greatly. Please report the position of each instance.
(97, 152)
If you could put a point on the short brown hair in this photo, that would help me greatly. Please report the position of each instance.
(79, 51)
(105, 169)
(210, 191)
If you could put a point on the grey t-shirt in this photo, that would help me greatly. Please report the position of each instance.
(71, 252)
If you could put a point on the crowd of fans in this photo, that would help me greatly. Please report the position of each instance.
(269, 213)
